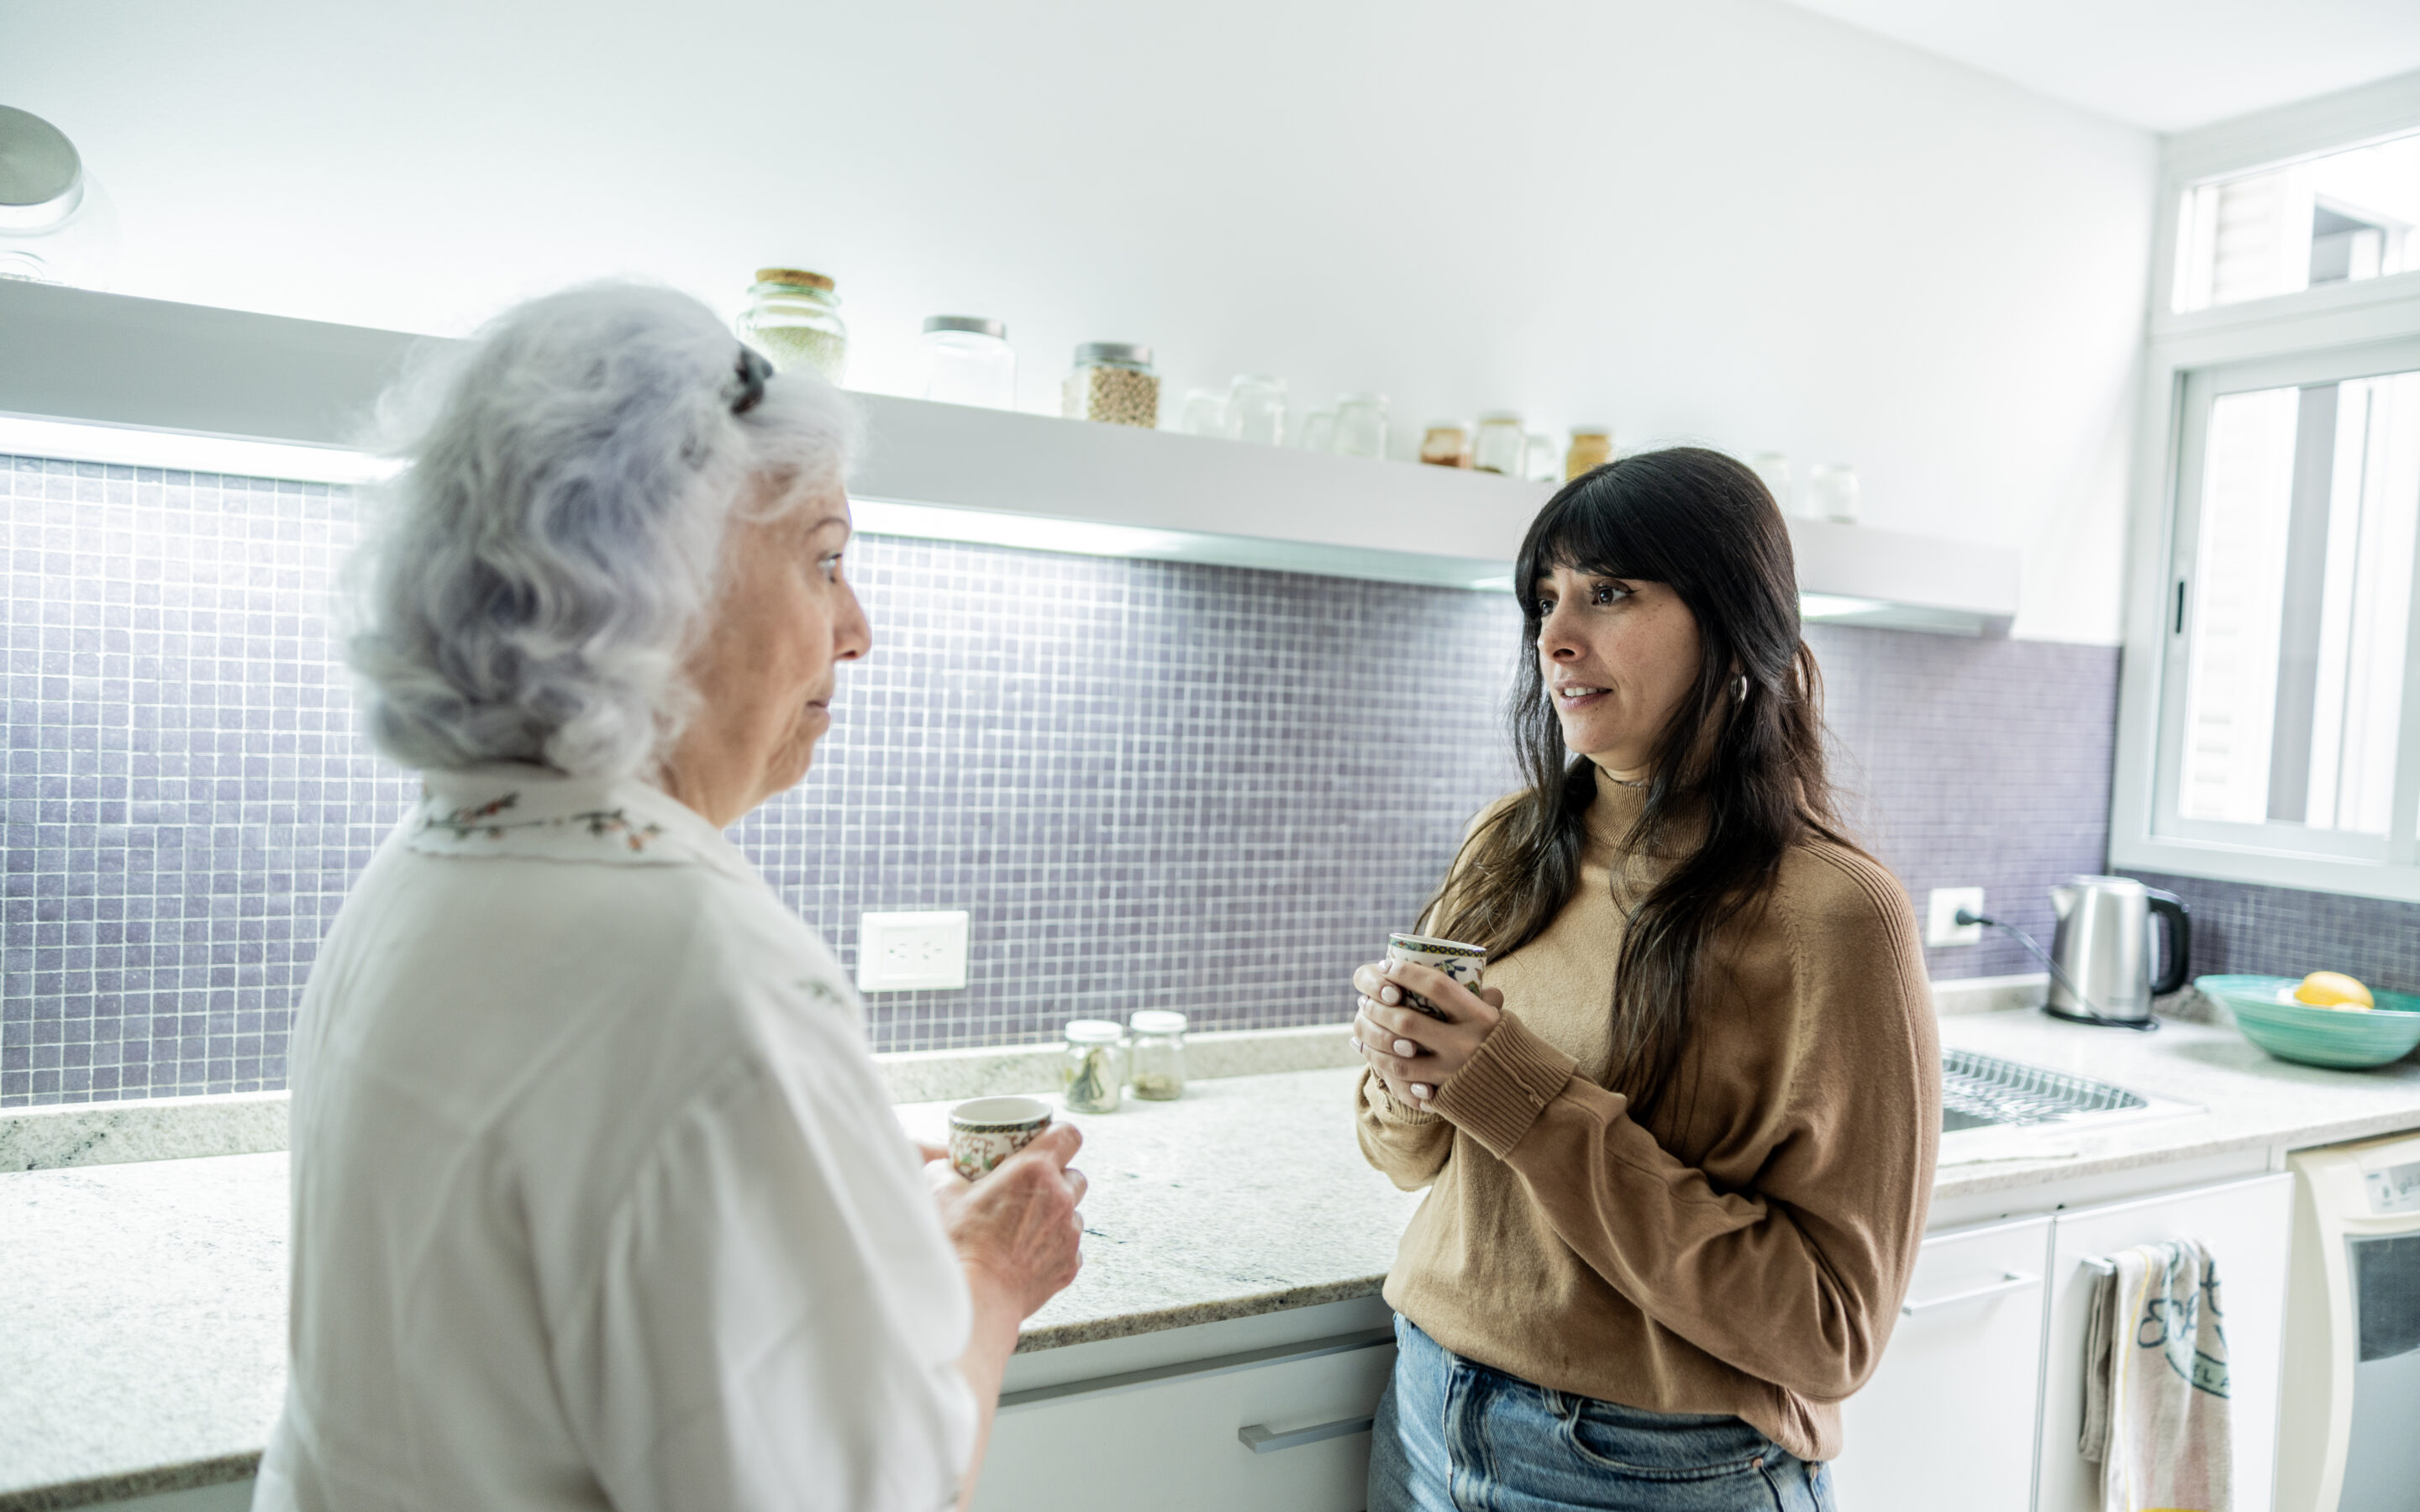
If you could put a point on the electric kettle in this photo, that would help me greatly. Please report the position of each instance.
(2100, 958)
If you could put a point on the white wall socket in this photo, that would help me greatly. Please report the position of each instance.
(911, 952)
(1941, 926)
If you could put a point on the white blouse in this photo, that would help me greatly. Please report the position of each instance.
(598, 1198)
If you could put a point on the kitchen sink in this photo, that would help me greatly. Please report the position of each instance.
(1980, 1091)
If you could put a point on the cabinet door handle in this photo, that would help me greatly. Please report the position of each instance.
(2009, 1281)
(1264, 1440)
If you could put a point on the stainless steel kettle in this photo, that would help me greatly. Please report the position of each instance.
(2102, 955)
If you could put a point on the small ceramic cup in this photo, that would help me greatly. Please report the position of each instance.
(1464, 962)
(989, 1130)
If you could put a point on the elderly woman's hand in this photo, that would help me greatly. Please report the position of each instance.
(1018, 1230)
(1412, 1052)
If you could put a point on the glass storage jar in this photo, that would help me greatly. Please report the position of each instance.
(1113, 382)
(1542, 460)
(968, 360)
(1591, 447)
(1157, 1071)
(1445, 444)
(793, 317)
(1256, 409)
(1497, 445)
(1092, 1066)
(1361, 425)
(1774, 467)
(1832, 492)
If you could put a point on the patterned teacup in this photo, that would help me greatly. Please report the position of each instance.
(1464, 962)
(989, 1130)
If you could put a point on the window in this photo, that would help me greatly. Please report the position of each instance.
(2297, 521)
(2269, 703)
(2333, 219)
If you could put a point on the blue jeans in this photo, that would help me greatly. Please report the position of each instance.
(1454, 1436)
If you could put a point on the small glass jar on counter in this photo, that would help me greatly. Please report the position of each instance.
(1592, 448)
(968, 360)
(1094, 1066)
(1112, 382)
(793, 317)
(1157, 1071)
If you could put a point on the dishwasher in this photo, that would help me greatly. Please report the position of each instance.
(2347, 1439)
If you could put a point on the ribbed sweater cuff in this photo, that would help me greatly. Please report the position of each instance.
(1384, 1104)
(1499, 1094)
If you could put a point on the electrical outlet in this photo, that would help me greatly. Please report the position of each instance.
(911, 952)
(1941, 926)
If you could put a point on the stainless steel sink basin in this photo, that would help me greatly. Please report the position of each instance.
(1982, 1091)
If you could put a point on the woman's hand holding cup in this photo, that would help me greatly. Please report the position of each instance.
(1415, 1053)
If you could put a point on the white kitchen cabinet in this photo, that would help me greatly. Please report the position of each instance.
(1952, 1402)
(2245, 1225)
(1282, 1429)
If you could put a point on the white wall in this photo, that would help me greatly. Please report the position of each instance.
(1731, 220)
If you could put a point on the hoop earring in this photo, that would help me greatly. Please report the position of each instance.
(1739, 690)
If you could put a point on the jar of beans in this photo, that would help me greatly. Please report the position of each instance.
(1113, 382)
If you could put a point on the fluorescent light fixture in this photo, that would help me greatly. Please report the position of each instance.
(1028, 532)
(1502, 584)
(131, 446)
(1836, 606)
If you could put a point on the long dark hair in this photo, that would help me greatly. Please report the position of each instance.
(1743, 755)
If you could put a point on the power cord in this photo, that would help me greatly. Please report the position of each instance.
(2091, 1013)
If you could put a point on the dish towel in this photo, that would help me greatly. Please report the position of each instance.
(2155, 1384)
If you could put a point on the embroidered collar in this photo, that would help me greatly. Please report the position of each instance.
(530, 811)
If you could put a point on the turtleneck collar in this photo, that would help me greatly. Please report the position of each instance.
(1617, 807)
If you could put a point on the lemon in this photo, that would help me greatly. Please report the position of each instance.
(2333, 989)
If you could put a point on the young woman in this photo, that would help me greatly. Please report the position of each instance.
(1679, 1148)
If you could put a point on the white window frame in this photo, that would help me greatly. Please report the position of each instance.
(2264, 341)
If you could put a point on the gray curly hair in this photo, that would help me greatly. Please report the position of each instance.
(533, 581)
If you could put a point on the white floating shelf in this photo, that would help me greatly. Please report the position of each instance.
(246, 382)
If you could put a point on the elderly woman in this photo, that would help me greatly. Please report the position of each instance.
(598, 1198)
(1679, 1149)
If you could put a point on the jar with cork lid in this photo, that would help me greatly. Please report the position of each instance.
(793, 317)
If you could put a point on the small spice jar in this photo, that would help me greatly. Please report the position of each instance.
(1112, 382)
(1157, 1072)
(1094, 1066)
(1445, 444)
(793, 317)
(1591, 447)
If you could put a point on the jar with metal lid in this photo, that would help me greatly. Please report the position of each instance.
(1591, 447)
(1092, 1066)
(1112, 382)
(1496, 446)
(968, 360)
(1157, 1068)
(793, 317)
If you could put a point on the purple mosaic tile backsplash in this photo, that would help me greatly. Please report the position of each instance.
(1153, 785)
(2283, 931)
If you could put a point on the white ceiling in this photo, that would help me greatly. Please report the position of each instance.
(2165, 65)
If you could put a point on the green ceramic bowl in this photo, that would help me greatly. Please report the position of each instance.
(2317, 1036)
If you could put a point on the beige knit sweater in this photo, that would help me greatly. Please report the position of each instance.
(1746, 1253)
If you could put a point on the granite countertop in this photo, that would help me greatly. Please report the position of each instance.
(142, 1329)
